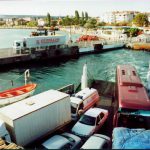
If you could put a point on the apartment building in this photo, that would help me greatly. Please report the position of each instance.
(118, 16)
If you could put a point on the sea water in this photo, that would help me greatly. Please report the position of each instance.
(53, 76)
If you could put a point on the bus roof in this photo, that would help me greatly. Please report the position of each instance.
(131, 92)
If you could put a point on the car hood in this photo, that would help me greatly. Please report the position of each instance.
(83, 129)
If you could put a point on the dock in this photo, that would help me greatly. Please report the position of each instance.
(72, 50)
(8, 56)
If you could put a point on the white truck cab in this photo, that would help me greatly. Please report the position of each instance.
(82, 101)
(17, 45)
(3, 132)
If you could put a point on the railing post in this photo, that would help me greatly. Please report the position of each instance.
(26, 75)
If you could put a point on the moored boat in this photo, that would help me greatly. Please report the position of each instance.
(16, 94)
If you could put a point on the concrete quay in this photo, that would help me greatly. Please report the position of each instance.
(7, 55)
(71, 50)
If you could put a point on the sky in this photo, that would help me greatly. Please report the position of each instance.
(67, 7)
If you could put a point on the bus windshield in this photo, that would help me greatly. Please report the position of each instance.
(134, 120)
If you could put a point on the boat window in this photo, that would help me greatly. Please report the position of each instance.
(88, 120)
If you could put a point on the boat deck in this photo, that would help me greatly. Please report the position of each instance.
(106, 91)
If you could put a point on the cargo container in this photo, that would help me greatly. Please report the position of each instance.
(36, 42)
(34, 117)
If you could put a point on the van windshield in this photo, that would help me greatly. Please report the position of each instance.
(73, 107)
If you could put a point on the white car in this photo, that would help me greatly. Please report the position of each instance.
(97, 141)
(63, 141)
(90, 122)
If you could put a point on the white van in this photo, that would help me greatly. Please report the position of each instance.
(82, 101)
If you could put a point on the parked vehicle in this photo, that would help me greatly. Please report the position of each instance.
(38, 42)
(132, 101)
(82, 101)
(29, 119)
(90, 122)
(97, 141)
(63, 141)
(126, 138)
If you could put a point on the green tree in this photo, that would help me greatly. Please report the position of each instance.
(67, 21)
(82, 15)
(32, 24)
(91, 23)
(48, 20)
(101, 24)
(77, 18)
(53, 23)
(132, 32)
(77, 15)
(141, 20)
(86, 16)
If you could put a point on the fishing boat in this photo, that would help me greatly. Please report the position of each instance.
(16, 94)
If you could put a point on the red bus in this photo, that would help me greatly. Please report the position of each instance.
(132, 102)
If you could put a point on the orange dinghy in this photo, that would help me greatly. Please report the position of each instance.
(16, 94)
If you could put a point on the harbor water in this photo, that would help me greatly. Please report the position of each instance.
(53, 76)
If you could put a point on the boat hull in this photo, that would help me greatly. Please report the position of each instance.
(15, 99)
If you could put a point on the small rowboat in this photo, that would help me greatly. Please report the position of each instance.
(16, 94)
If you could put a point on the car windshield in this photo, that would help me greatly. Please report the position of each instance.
(88, 120)
(68, 138)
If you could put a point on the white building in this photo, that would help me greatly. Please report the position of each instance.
(118, 16)
(108, 17)
(41, 22)
(144, 38)
(124, 16)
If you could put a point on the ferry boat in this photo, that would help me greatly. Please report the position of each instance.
(16, 94)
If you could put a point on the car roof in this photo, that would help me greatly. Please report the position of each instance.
(75, 100)
(55, 142)
(94, 112)
(94, 142)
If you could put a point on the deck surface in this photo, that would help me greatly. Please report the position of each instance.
(5, 145)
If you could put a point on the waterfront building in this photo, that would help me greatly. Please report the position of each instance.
(9, 21)
(118, 16)
(144, 38)
(41, 22)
